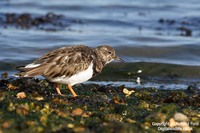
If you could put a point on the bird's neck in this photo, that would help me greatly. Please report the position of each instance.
(99, 58)
(99, 63)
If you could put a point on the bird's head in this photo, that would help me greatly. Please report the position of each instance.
(107, 54)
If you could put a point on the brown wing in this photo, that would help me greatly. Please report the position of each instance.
(65, 61)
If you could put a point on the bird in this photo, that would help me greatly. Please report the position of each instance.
(70, 65)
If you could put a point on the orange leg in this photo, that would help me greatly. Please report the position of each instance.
(72, 91)
(57, 89)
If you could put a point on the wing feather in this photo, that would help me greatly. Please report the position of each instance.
(65, 61)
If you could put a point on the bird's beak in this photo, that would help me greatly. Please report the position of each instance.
(119, 59)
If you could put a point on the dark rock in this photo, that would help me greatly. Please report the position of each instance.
(161, 20)
(49, 22)
(193, 89)
(186, 31)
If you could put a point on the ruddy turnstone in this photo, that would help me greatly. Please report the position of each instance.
(70, 65)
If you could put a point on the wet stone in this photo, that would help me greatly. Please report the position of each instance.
(193, 89)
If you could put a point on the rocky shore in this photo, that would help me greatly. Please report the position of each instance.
(32, 105)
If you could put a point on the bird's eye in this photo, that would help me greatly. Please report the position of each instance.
(109, 52)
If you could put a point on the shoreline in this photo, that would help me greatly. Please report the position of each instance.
(124, 70)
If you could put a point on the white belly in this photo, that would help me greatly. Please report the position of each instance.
(77, 78)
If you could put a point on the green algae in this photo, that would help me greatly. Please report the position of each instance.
(102, 108)
(128, 71)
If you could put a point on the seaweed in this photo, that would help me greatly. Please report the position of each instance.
(96, 109)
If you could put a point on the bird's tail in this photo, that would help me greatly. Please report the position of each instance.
(29, 72)
(22, 72)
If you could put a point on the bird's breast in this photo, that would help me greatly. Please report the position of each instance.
(79, 77)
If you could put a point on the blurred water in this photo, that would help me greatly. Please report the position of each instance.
(161, 86)
(140, 30)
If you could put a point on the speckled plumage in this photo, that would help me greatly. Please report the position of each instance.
(70, 61)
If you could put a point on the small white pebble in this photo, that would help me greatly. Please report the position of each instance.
(127, 92)
(139, 71)
(70, 125)
(138, 80)
(181, 117)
